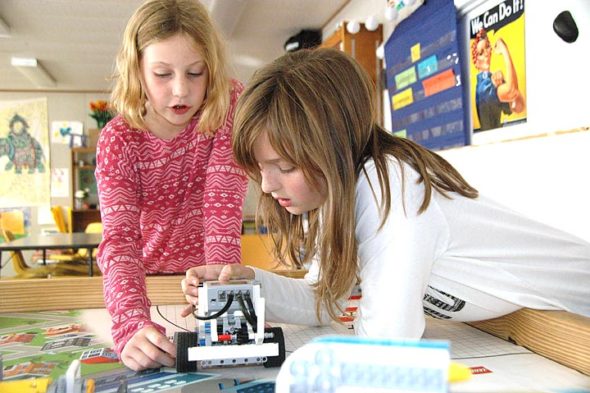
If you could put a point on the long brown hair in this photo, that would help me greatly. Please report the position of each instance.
(319, 112)
(157, 20)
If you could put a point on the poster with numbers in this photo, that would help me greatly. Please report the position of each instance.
(423, 70)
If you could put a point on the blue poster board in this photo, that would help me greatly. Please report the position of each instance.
(423, 72)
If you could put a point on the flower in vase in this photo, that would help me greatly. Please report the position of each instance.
(101, 112)
(82, 194)
(80, 199)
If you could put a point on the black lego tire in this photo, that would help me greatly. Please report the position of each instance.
(184, 341)
(278, 337)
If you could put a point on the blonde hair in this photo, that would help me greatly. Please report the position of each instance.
(157, 20)
(318, 109)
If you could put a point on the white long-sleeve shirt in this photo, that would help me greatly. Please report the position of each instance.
(462, 259)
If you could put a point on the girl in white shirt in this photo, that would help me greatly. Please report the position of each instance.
(363, 206)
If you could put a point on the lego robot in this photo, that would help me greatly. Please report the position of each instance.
(231, 329)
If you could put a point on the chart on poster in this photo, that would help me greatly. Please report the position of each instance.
(424, 78)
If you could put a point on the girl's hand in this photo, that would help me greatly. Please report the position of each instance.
(190, 284)
(148, 348)
(195, 275)
(236, 272)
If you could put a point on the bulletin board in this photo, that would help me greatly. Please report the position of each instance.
(423, 72)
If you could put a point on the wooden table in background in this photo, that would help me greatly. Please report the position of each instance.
(55, 241)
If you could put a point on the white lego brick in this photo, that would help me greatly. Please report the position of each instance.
(216, 352)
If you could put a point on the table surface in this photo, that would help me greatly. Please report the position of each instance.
(62, 336)
(53, 241)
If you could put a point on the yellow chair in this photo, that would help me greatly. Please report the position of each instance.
(93, 227)
(257, 251)
(81, 255)
(58, 217)
(18, 260)
(64, 226)
(23, 270)
(13, 221)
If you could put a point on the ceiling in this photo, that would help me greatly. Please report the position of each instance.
(76, 40)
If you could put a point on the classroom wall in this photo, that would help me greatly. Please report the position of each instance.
(556, 72)
(542, 176)
(60, 106)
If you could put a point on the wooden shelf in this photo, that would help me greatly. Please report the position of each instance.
(83, 160)
(362, 46)
(83, 150)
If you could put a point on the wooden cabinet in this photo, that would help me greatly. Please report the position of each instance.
(83, 166)
(362, 46)
(81, 218)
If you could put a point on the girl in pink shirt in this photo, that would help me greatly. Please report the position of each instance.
(170, 192)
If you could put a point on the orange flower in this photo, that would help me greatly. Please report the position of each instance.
(101, 112)
(99, 105)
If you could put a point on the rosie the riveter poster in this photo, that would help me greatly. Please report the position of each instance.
(497, 66)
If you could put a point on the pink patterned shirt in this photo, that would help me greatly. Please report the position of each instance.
(166, 206)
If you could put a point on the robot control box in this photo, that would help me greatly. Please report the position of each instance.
(231, 329)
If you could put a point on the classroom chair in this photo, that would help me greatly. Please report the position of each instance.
(23, 270)
(13, 221)
(80, 255)
(60, 220)
(257, 251)
(62, 226)
(93, 227)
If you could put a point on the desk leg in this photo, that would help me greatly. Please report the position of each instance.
(90, 273)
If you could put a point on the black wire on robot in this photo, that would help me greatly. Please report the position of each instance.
(248, 311)
(230, 300)
(246, 306)
(264, 354)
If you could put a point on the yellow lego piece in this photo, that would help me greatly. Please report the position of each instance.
(36, 385)
(458, 372)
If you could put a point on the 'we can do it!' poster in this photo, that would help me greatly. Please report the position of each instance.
(497, 66)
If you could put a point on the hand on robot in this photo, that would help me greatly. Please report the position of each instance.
(148, 348)
(198, 274)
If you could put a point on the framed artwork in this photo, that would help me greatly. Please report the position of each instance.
(62, 131)
(24, 153)
(497, 66)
